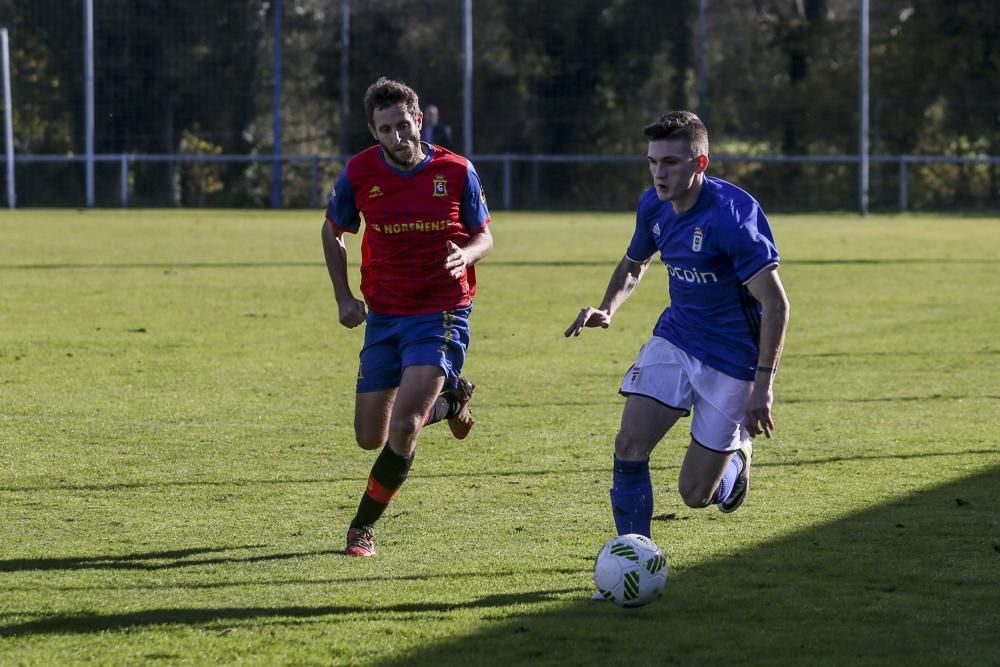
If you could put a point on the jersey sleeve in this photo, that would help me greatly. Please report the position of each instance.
(750, 245)
(473, 210)
(340, 209)
(642, 246)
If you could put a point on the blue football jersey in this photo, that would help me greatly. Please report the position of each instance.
(711, 251)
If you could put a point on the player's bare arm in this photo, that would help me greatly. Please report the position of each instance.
(459, 259)
(351, 309)
(624, 280)
(767, 289)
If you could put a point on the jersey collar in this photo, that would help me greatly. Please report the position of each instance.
(428, 156)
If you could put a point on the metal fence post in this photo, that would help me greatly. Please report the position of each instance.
(506, 183)
(467, 73)
(8, 118)
(124, 179)
(315, 181)
(345, 74)
(276, 110)
(903, 185)
(88, 93)
(863, 110)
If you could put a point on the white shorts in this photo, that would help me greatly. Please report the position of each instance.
(667, 374)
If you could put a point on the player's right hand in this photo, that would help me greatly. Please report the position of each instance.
(352, 312)
(589, 317)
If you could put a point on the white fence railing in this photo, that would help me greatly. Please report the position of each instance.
(506, 160)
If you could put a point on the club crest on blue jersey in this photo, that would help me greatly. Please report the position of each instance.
(440, 186)
(696, 241)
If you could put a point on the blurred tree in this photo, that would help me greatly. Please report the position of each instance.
(165, 73)
(581, 76)
(47, 90)
(938, 74)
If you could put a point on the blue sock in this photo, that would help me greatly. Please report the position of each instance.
(632, 497)
(728, 480)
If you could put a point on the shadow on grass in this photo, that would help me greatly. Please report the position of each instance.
(916, 581)
(87, 623)
(326, 581)
(894, 399)
(853, 355)
(146, 561)
(601, 471)
(911, 582)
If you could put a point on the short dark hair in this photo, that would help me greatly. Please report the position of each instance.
(680, 125)
(386, 93)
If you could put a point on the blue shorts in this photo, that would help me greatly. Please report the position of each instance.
(393, 342)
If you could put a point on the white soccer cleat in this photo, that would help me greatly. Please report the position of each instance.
(742, 486)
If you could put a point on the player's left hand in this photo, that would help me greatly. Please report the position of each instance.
(456, 261)
(759, 419)
(589, 317)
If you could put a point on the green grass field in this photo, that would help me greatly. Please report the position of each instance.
(177, 464)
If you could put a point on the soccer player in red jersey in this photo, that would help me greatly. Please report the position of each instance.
(426, 225)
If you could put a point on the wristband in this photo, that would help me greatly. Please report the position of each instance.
(767, 369)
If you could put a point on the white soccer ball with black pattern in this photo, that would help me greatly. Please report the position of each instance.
(630, 570)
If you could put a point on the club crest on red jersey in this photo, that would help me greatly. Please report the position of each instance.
(376, 191)
(440, 186)
(696, 241)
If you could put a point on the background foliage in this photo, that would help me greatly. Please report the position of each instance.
(581, 76)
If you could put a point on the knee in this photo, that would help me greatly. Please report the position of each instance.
(405, 430)
(365, 441)
(368, 437)
(695, 495)
(629, 447)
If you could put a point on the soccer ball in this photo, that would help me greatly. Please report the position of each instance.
(630, 570)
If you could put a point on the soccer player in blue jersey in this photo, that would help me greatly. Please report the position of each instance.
(715, 349)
